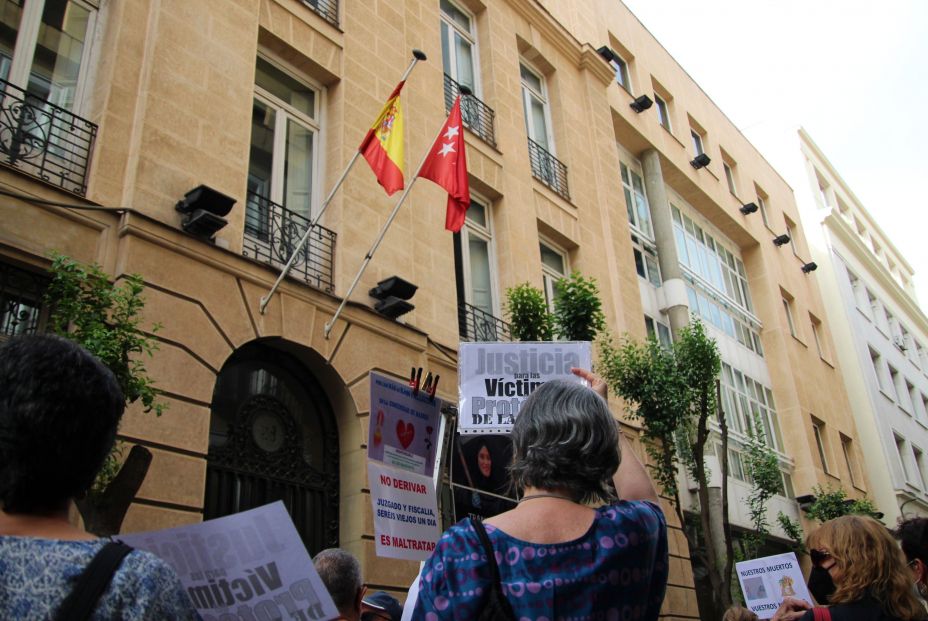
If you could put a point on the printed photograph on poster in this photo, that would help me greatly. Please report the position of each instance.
(249, 565)
(766, 581)
(403, 428)
(494, 379)
(479, 477)
(405, 513)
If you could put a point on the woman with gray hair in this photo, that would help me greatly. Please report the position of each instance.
(554, 555)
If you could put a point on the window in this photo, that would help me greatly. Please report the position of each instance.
(817, 334)
(791, 231)
(787, 308)
(535, 107)
(877, 361)
(43, 48)
(458, 46)
(877, 314)
(848, 449)
(697, 142)
(730, 179)
(636, 203)
(860, 296)
(902, 452)
(21, 307)
(553, 268)
(912, 399)
(745, 402)
(919, 466)
(895, 385)
(646, 261)
(478, 260)
(620, 67)
(282, 165)
(823, 190)
(762, 204)
(658, 331)
(818, 430)
(663, 114)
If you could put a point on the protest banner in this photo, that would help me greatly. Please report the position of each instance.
(494, 379)
(405, 513)
(242, 567)
(766, 581)
(404, 428)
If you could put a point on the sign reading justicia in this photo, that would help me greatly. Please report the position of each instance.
(496, 378)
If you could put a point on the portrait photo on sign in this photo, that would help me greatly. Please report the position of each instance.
(480, 477)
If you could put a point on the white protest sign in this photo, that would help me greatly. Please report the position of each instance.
(404, 428)
(766, 581)
(405, 513)
(246, 566)
(494, 379)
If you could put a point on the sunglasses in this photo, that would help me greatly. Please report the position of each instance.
(818, 557)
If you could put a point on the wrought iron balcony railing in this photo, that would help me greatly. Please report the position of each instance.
(548, 169)
(477, 116)
(327, 9)
(273, 231)
(43, 140)
(475, 324)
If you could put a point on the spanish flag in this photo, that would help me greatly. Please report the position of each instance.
(382, 147)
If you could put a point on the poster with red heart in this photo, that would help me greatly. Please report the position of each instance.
(403, 427)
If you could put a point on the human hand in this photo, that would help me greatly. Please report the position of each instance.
(597, 383)
(791, 609)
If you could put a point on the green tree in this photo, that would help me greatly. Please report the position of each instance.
(673, 392)
(105, 318)
(578, 311)
(763, 467)
(829, 503)
(528, 313)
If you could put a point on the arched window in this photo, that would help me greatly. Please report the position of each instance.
(273, 437)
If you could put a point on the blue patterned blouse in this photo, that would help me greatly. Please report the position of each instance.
(616, 571)
(37, 574)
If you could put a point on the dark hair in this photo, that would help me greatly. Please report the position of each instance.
(59, 409)
(341, 574)
(564, 437)
(913, 539)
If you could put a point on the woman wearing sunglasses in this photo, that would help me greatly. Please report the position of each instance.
(871, 581)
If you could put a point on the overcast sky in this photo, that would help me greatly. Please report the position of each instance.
(853, 73)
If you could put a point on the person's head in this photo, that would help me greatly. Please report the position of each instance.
(913, 538)
(381, 606)
(484, 461)
(565, 438)
(341, 575)
(59, 409)
(739, 613)
(862, 558)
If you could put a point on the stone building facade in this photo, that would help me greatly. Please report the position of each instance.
(129, 105)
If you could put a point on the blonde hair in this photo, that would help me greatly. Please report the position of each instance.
(737, 613)
(871, 563)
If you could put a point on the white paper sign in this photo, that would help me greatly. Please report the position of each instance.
(405, 513)
(250, 565)
(766, 581)
(494, 379)
(404, 428)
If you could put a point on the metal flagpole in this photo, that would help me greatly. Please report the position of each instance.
(417, 56)
(383, 231)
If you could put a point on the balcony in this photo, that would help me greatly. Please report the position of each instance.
(477, 116)
(273, 231)
(475, 324)
(548, 169)
(326, 9)
(43, 140)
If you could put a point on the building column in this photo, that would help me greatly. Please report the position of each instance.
(673, 285)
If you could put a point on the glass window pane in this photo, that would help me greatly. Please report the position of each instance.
(446, 50)
(654, 274)
(285, 88)
(456, 15)
(11, 13)
(298, 169)
(480, 284)
(529, 78)
(465, 62)
(552, 259)
(261, 158)
(539, 130)
(477, 213)
(60, 45)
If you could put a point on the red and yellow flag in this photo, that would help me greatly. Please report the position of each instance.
(382, 147)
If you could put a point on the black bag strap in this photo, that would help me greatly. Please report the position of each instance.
(504, 608)
(83, 598)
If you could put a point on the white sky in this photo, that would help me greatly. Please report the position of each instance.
(853, 73)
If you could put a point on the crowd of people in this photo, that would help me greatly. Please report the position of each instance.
(550, 555)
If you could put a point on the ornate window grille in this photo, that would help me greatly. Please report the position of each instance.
(43, 140)
(548, 169)
(21, 308)
(477, 116)
(272, 232)
(475, 324)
